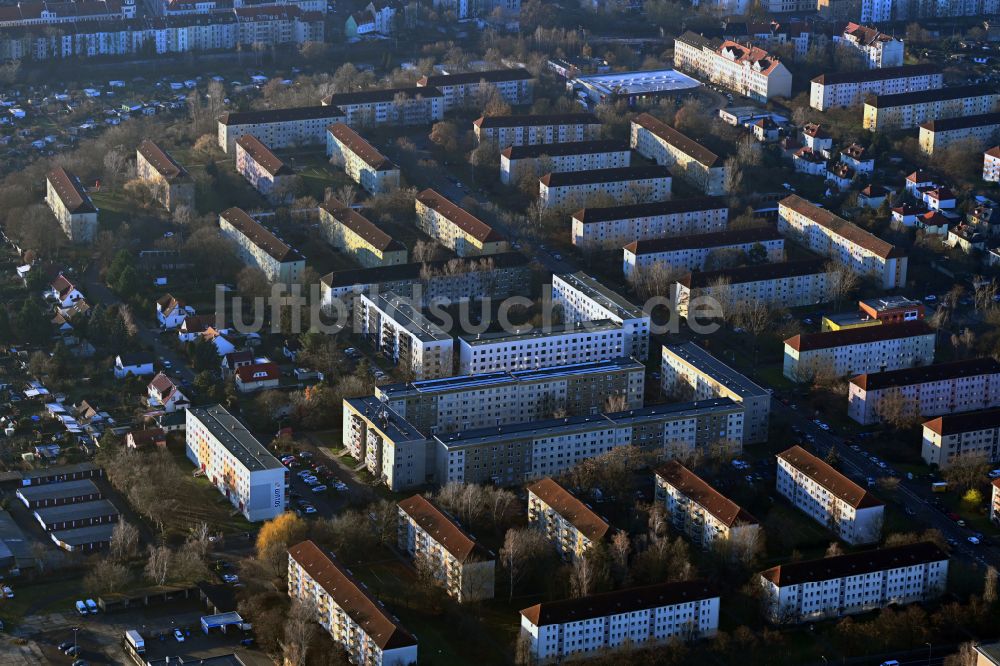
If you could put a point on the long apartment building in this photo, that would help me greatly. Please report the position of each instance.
(349, 231)
(701, 513)
(531, 161)
(72, 207)
(405, 336)
(833, 587)
(688, 364)
(844, 242)
(467, 89)
(500, 398)
(577, 188)
(881, 51)
(568, 524)
(742, 68)
(456, 228)
(260, 248)
(171, 184)
(266, 172)
(855, 351)
(846, 89)
(235, 462)
(362, 162)
(601, 228)
(654, 139)
(389, 106)
(885, 113)
(787, 284)
(976, 133)
(556, 631)
(533, 348)
(953, 437)
(434, 540)
(831, 499)
(693, 252)
(537, 129)
(927, 390)
(278, 128)
(346, 610)
(584, 298)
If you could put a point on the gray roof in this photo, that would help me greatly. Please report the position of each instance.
(233, 435)
(53, 491)
(697, 357)
(395, 427)
(616, 304)
(79, 511)
(82, 536)
(518, 335)
(403, 313)
(56, 470)
(13, 542)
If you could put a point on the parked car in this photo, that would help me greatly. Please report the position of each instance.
(319, 489)
(178, 636)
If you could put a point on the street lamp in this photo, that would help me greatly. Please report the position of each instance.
(76, 649)
(928, 653)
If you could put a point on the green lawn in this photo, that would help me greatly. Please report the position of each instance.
(41, 597)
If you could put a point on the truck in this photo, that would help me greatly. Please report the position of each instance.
(135, 641)
(939, 487)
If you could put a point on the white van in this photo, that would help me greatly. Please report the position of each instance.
(81, 608)
(91, 606)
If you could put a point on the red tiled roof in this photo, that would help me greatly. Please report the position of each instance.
(857, 336)
(248, 374)
(70, 192)
(263, 156)
(822, 473)
(842, 227)
(459, 216)
(691, 485)
(160, 160)
(567, 505)
(443, 529)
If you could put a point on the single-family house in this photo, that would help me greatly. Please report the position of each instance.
(766, 130)
(809, 161)
(163, 393)
(858, 158)
(872, 196)
(170, 312)
(257, 377)
(194, 326)
(234, 361)
(907, 214)
(133, 363)
(840, 174)
(64, 292)
(222, 345)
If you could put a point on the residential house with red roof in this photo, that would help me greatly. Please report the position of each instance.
(162, 393)
(257, 377)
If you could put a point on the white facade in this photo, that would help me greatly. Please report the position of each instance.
(517, 162)
(583, 299)
(991, 165)
(588, 342)
(365, 165)
(617, 226)
(393, 106)
(970, 132)
(515, 86)
(403, 334)
(746, 70)
(686, 158)
(258, 247)
(691, 253)
(71, 206)
(279, 128)
(577, 188)
(950, 438)
(535, 130)
(568, 524)
(859, 350)
(879, 49)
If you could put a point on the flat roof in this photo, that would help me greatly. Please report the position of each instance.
(70, 191)
(651, 209)
(402, 312)
(82, 536)
(162, 161)
(257, 234)
(263, 156)
(412, 271)
(881, 74)
(563, 149)
(79, 511)
(360, 147)
(61, 490)
(883, 303)
(635, 83)
(532, 333)
(825, 475)
(704, 241)
(593, 289)
(937, 372)
(692, 486)
(951, 424)
(854, 564)
(372, 234)
(331, 113)
(704, 362)
(926, 96)
(13, 542)
(235, 437)
(57, 470)
(395, 427)
(570, 507)
(677, 139)
(617, 174)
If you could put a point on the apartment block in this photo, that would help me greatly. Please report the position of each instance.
(654, 139)
(742, 68)
(568, 524)
(885, 113)
(456, 228)
(787, 284)
(365, 165)
(833, 587)
(694, 252)
(260, 248)
(346, 610)
(435, 540)
(389, 106)
(952, 437)
(844, 242)
(880, 50)
(390, 448)
(601, 228)
(970, 132)
(235, 462)
(531, 161)
(640, 616)
(467, 89)
(533, 348)
(846, 89)
(577, 188)
(264, 170)
(349, 231)
(689, 365)
(171, 184)
(69, 202)
(991, 165)
(500, 398)
(279, 128)
(995, 502)
(831, 499)
(855, 351)
(928, 390)
(585, 299)
(537, 129)
(401, 333)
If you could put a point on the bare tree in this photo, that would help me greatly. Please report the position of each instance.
(842, 282)
(755, 317)
(896, 409)
(124, 541)
(299, 630)
(158, 564)
(347, 194)
(990, 585)
(522, 548)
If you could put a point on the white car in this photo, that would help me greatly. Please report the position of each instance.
(974, 540)
(7, 592)
(230, 578)
(178, 636)
(995, 474)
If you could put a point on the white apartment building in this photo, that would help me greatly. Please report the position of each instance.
(466, 90)
(568, 524)
(952, 437)
(855, 351)
(348, 230)
(171, 184)
(833, 587)
(970, 132)
(577, 188)
(456, 228)
(235, 462)
(400, 332)
(365, 165)
(265, 171)
(687, 364)
(694, 252)
(876, 11)
(700, 512)
(844, 242)
(69, 202)
(852, 513)
(533, 348)
(880, 50)
(584, 298)
(744, 69)
(616, 226)
(431, 537)
(846, 89)
(355, 620)
(991, 165)
(928, 390)
(787, 284)
(884, 113)
(390, 448)
(654, 139)
(389, 106)
(537, 129)
(531, 161)
(260, 248)
(640, 616)
(279, 128)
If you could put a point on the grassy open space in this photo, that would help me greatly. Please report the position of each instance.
(44, 596)
(206, 505)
